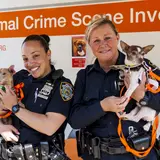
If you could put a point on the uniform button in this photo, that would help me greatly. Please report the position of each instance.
(106, 91)
(40, 105)
(86, 98)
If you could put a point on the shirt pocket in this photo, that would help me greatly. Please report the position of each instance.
(40, 106)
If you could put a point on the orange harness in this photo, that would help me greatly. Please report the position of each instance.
(141, 154)
(19, 92)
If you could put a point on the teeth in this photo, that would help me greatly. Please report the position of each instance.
(103, 51)
(33, 69)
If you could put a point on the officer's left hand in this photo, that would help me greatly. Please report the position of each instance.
(140, 90)
(8, 97)
(9, 136)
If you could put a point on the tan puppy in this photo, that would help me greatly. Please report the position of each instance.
(79, 47)
(6, 78)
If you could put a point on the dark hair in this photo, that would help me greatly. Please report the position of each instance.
(43, 39)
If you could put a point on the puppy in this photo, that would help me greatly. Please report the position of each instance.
(134, 64)
(79, 47)
(6, 78)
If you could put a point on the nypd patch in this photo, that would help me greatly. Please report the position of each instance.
(66, 91)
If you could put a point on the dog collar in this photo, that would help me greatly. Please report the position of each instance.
(132, 66)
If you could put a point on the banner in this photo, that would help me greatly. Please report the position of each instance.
(138, 16)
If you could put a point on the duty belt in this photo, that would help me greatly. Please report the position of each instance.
(108, 145)
(17, 151)
(113, 145)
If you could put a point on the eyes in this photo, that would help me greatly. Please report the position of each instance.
(34, 57)
(98, 41)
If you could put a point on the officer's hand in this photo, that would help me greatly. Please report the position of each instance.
(9, 136)
(8, 97)
(3, 110)
(7, 132)
(140, 90)
(114, 104)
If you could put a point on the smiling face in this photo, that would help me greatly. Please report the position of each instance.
(104, 41)
(36, 60)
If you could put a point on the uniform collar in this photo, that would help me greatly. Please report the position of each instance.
(48, 76)
(96, 66)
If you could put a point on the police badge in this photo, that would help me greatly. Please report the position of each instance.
(66, 91)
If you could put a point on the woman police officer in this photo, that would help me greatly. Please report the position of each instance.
(97, 99)
(46, 102)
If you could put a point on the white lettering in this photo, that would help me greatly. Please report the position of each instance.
(3, 25)
(84, 19)
(9, 25)
(138, 14)
(118, 18)
(26, 19)
(43, 22)
(131, 15)
(143, 16)
(152, 17)
(62, 22)
(74, 17)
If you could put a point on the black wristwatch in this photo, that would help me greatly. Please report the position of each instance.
(15, 108)
(144, 101)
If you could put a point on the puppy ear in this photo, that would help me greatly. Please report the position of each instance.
(11, 69)
(146, 49)
(124, 46)
(83, 42)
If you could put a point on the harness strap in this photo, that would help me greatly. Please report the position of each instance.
(6, 115)
(149, 86)
(19, 92)
(141, 154)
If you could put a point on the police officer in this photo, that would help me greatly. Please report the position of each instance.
(97, 100)
(41, 117)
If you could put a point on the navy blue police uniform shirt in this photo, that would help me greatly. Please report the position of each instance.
(93, 85)
(39, 99)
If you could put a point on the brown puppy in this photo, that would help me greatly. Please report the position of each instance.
(6, 78)
(79, 47)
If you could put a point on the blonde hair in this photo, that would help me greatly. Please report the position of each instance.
(97, 22)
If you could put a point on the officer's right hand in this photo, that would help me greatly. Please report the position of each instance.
(114, 104)
(9, 132)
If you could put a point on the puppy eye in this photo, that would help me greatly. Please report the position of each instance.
(142, 53)
(134, 53)
(4, 74)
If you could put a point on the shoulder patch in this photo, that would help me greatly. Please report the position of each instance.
(66, 91)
